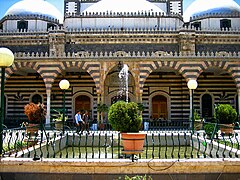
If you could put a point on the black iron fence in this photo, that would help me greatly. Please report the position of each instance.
(159, 144)
(149, 125)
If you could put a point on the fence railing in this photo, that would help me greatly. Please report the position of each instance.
(149, 125)
(52, 143)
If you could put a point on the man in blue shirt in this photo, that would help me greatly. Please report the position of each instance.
(79, 122)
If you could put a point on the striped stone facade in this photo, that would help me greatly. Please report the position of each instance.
(156, 72)
(160, 64)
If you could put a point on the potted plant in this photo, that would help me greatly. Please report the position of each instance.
(226, 115)
(198, 122)
(145, 122)
(124, 117)
(36, 114)
(102, 109)
(57, 118)
(209, 130)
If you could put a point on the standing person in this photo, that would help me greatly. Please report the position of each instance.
(86, 120)
(79, 122)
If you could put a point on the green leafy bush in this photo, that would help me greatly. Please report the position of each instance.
(59, 116)
(124, 117)
(141, 107)
(196, 115)
(209, 129)
(225, 113)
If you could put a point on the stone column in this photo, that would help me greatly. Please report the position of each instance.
(48, 106)
(98, 102)
(140, 97)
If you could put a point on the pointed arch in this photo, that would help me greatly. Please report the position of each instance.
(146, 68)
(207, 109)
(231, 67)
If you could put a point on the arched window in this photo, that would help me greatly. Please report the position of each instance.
(207, 107)
(196, 25)
(159, 107)
(225, 24)
(50, 26)
(22, 25)
(37, 99)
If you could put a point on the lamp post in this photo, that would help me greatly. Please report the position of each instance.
(6, 60)
(192, 85)
(64, 85)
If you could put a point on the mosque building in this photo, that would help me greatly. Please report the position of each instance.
(163, 47)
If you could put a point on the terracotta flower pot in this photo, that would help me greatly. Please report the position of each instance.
(32, 129)
(227, 129)
(198, 125)
(133, 142)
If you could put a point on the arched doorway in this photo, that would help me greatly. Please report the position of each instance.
(112, 86)
(207, 108)
(159, 107)
(82, 102)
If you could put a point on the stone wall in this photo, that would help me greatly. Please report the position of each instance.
(121, 47)
(112, 169)
(217, 47)
(29, 48)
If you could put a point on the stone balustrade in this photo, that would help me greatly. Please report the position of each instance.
(123, 54)
(120, 14)
(127, 30)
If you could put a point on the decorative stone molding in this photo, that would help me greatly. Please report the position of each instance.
(154, 30)
(123, 54)
(121, 14)
(220, 15)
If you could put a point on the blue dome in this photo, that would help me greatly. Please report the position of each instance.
(201, 7)
(35, 7)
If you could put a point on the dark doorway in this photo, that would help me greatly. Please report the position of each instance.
(207, 107)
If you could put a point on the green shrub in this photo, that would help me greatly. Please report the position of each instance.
(225, 113)
(196, 115)
(141, 107)
(124, 117)
(59, 116)
(209, 129)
